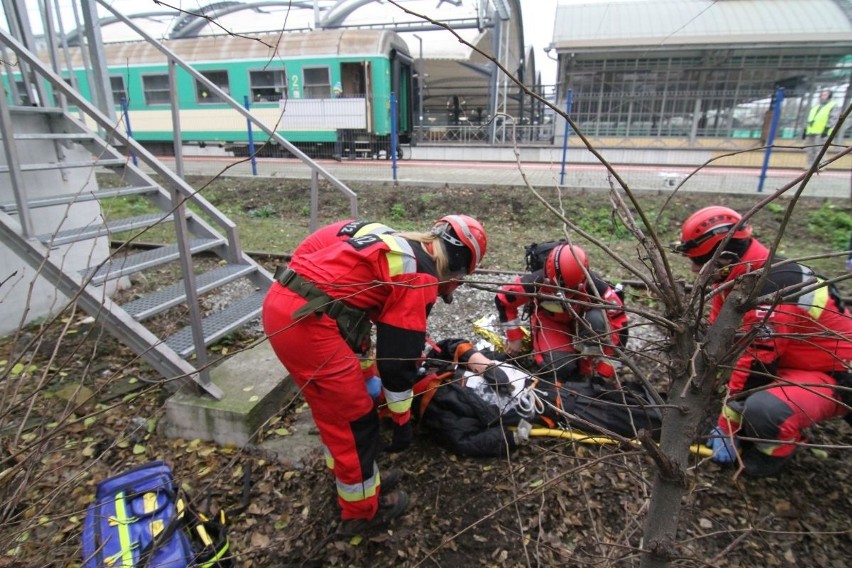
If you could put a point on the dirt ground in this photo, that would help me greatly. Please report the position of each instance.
(550, 503)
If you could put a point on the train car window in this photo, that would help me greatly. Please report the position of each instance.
(156, 89)
(219, 78)
(268, 86)
(316, 83)
(119, 92)
(354, 82)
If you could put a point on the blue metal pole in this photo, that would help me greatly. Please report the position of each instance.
(394, 134)
(129, 129)
(770, 139)
(568, 101)
(247, 104)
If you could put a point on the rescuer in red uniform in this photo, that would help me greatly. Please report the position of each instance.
(317, 317)
(573, 326)
(800, 348)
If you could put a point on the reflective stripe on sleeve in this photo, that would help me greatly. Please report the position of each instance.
(732, 416)
(373, 229)
(815, 302)
(552, 307)
(401, 256)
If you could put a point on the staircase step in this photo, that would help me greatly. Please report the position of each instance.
(161, 300)
(106, 163)
(129, 264)
(43, 151)
(81, 197)
(219, 324)
(55, 136)
(111, 228)
(19, 109)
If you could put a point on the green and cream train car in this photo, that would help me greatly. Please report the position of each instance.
(328, 92)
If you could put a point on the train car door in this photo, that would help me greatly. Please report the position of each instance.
(368, 97)
(357, 83)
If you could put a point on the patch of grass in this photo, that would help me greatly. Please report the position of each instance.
(513, 218)
(775, 208)
(602, 222)
(831, 224)
(397, 211)
(130, 206)
(263, 212)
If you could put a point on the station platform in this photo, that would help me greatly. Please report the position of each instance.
(651, 169)
(745, 153)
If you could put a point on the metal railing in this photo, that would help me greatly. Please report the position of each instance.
(504, 133)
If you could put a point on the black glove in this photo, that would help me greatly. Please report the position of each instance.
(402, 436)
(448, 348)
(497, 379)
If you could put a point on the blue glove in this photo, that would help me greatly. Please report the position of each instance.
(724, 446)
(374, 387)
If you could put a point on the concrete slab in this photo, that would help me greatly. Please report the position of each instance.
(303, 443)
(256, 387)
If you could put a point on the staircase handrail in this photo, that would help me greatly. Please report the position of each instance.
(109, 126)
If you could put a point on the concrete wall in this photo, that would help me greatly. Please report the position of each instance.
(24, 296)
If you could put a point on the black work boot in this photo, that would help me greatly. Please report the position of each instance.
(758, 464)
(391, 506)
(391, 479)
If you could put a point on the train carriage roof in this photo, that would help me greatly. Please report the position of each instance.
(346, 42)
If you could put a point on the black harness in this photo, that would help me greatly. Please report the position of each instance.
(354, 324)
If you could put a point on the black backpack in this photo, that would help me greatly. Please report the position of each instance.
(535, 254)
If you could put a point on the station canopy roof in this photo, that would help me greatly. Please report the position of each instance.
(592, 25)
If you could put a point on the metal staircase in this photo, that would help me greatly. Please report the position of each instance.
(43, 137)
(61, 139)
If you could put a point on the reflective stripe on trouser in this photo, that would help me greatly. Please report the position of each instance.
(355, 470)
(329, 375)
(399, 402)
(329, 459)
(781, 413)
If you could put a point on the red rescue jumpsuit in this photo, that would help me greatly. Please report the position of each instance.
(336, 232)
(800, 346)
(554, 328)
(394, 281)
(333, 234)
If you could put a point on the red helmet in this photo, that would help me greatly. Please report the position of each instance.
(564, 266)
(463, 231)
(706, 228)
